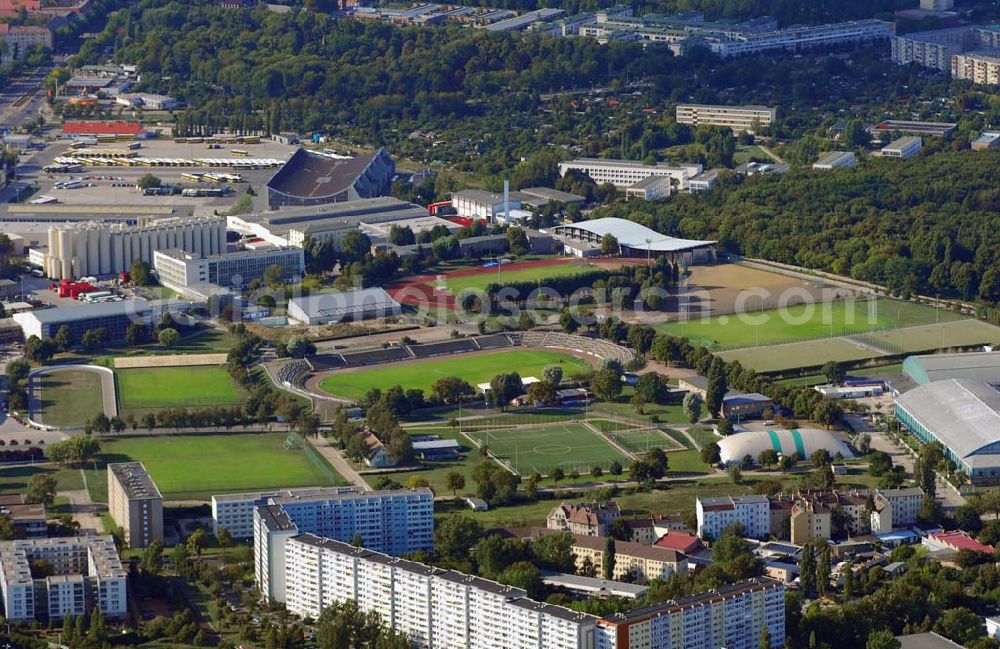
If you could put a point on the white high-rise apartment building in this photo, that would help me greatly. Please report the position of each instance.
(436, 608)
(982, 67)
(716, 514)
(738, 118)
(234, 512)
(392, 521)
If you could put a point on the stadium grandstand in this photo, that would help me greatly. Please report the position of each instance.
(459, 346)
(582, 344)
(291, 374)
(804, 441)
(584, 239)
(310, 178)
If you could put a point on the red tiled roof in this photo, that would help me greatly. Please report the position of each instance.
(87, 127)
(961, 541)
(11, 8)
(679, 541)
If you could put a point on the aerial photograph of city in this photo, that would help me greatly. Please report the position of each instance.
(500, 324)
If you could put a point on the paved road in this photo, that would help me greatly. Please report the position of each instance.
(83, 509)
(337, 461)
(21, 99)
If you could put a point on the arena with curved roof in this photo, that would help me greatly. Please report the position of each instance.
(310, 178)
(634, 240)
(804, 441)
(963, 414)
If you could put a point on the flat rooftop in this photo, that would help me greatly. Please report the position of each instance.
(135, 480)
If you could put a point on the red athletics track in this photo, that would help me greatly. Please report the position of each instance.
(419, 290)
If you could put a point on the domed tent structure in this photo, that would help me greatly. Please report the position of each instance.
(804, 441)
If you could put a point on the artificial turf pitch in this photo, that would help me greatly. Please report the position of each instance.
(151, 388)
(474, 368)
(543, 448)
(532, 274)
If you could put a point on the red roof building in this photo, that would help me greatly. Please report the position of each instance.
(956, 541)
(12, 8)
(85, 128)
(686, 543)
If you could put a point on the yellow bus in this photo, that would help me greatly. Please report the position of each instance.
(195, 178)
(239, 152)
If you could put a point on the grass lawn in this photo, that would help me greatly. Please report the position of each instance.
(704, 436)
(478, 368)
(568, 446)
(813, 353)
(688, 461)
(671, 413)
(678, 437)
(482, 280)
(644, 440)
(149, 388)
(15, 478)
(193, 467)
(436, 473)
(805, 321)
(70, 397)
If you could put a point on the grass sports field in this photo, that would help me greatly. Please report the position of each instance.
(70, 397)
(150, 388)
(543, 448)
(804, 322)
(480, 281)
(193, 467)
(477, 368)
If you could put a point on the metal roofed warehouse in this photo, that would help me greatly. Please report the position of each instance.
(982, 366)
(964, 416)
(337, 307)
(635, 239)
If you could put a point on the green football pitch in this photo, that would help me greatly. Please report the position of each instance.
(70, 397)
(533, 274)
(806, 321)
(474, 368)
(543, 448)
(150, 388)
(193, 467)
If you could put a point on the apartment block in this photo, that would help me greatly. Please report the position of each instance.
(633, 561)
(716, 514)
(179, 269)
(895, 508)
(135, 503)
(937, 48)
(731, 616)
(585, 519)
(435, 607)
(88, 574)
(903, 148)
(737, 118)
(393, 521)
(625, 173)
(234, 512)
(981, 67)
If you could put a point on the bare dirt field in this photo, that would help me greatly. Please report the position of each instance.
(168, 360)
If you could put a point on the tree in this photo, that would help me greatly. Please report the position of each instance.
(849, 580)
(652, 388)
(63, 340)
(139, 273)
(38, 350)
(736, 474)
(7, 529)
(504, 388)
(692, 406)
(455, 481)
(807, 569)
(879, 463)
(523, 575)
(152, 558)
(75, 450)
(456, 536)
(820, 458)
(833, 372)
(42, 488)
(606, 384)
(609, 245)
(148, 181)
(18, 370)
(717, 386)
(555, 551)
(960, 624)
(823, 568)
(726, 427)
(224, 538)
(274, 275)
(558, 474)
(767, 458)
(765, 637)
(608, 559)
(136, 334)
(494, 554)
(615, 468)
(451, 389)
(517, 241)
(354, 245)
(882, 639)
(710, 454)
(541, 392)
(196, 542)
(168, 337)
(553, 374)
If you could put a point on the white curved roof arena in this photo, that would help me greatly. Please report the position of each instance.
(804, 441)
(632, 234)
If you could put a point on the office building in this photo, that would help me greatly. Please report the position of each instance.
(102, 249)
(135, 503)
(835, 159)
(650, 189)
(716, 514)
(178, 269)
(291, 225)
(234, 512)
(731, 616)
(397, 522)
(738, 118)
(980, 66)
(113, 317)
(903, 148)
(625, 173)
(963, 414)
(326, 308)
(311, 178)
(88, 574)
(435, 608)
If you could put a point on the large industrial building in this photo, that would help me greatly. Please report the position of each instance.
(310, 178)
(179, 270)
(625, 173)
(737, 118)
(100, 249)
(326, 308)
(395, 521)
(584, 239)
(113, 317)
(444, 609)
(963, 414)
(135, 503)
(804, 441)
(291, 226)
(88, 574)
